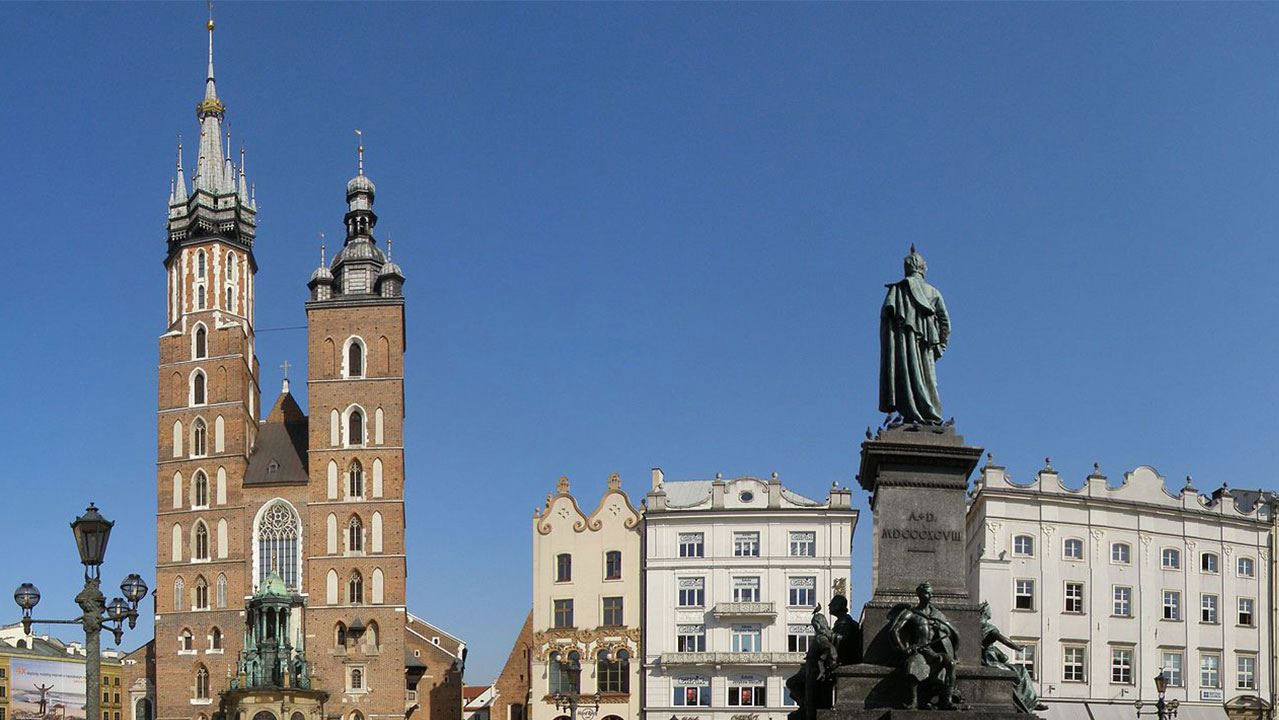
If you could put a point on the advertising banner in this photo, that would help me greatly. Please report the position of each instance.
(46, 690)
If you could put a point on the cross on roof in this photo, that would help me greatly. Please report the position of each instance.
(285, 366)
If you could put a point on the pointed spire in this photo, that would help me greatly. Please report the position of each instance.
(180, 191)
(170, 189)
(253, 195)
(388, 246)
(359, 151)
(228, 172)
(323, 261)
(244, 188)
(210, 90)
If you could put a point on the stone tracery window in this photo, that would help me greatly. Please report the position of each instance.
(277, 544)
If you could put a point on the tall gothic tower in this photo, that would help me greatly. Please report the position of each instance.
(355, 365)
(207, 410)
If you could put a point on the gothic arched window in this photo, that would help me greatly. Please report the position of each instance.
(199, 264)
(201, 594)
(355, 428)
(221, 598)
(201, 549)
(199, 298)
(197, 388)
(354, 358)
(201, 683)
(339, 635)
(200, 348)
(277, 534)
(355, 535)
(230, 294)
(179, 595)
(199, 438)
(355, 589)
(230, 265)
(200, 489)
(355, 480)
(215, 639)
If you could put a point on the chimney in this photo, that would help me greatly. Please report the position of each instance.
(658, 477)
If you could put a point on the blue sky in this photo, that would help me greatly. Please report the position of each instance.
(643, 235)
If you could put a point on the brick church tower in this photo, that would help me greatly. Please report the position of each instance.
(280, 558)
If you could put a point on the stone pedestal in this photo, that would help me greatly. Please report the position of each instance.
(918, 480)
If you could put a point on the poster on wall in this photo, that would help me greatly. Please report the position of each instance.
(46, 690)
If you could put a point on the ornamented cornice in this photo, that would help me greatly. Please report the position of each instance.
(586, 640)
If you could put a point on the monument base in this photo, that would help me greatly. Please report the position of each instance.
(871, 692)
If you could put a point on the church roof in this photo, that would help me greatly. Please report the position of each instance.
(279, 455)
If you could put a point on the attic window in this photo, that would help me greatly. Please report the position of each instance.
(435, 640)
(417, 653)
(272, 467)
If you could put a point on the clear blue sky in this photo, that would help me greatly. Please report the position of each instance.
(646, 235)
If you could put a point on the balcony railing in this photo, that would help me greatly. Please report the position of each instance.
(731, 658)
(743, 609)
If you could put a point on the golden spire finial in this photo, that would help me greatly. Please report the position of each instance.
(210, 15)
(359, 151)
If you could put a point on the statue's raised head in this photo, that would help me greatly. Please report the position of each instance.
(924, 591)
(838, 605)
(985, 609)
(914, 263)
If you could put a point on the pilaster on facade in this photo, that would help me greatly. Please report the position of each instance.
(585, 638)
(733, 571)
(1107, 584)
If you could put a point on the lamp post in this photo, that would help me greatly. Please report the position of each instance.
(91, 532)
(570, 701)
(1163, 710)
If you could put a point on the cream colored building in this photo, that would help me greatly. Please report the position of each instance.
(1108, 584)
(733, 570)
(586, 605)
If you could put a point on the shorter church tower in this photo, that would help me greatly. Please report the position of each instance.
(355, 345)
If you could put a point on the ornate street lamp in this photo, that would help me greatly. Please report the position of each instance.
(570, 701)
(1163, 710)
(92, 531)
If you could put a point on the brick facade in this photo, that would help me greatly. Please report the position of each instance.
(512, 697)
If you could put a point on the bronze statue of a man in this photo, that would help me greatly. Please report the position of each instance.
(930, 646)
(913, 331)
(830, 646)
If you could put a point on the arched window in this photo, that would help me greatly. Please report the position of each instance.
(177, 541)
(186, 641)
(357, 683)
(215, 639)
(199, 298)
(1209, 563)
(355, 480)
(1120, 553)
(200, 489)
(565, 673)
(200, 348)
(355, 428)
(355, 589)
(199, 438)
(201, 594)
(1023, 545)
(276, 544)
(1170, 559)
(613, 672)
(201, 683)
(379, 595)
(376, 533)
(200, 548)
(1072, 549)
(199, 264)
(230, 266)
(339, 635)
(221, 599)
(355, 535)
(354, 358)
(230, 292)
(197, 387)
(179, 595)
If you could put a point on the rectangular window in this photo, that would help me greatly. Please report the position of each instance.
(1121, 666)
(1073, 664)
(1245, 567)
(803, 544)
(1074, 597)
(1172, 605)
(1024, 595)
(691, 545)
(746, 544)
(798, 637)
(1172, 668)
(746, 696)
(746, 589)
(1208, 608)
(1246, 672)
(563, 614)
(1025, 657)
(692, 696)
(1170, 559)
(692, 592)
(690, 638)
(563, 567)
(1245, 612)
(613, 612)
(1208, 562)
(613, 565)
(1210, 670)
(1123, 601)
(747, 638)
(803, 592)
(1120, 553)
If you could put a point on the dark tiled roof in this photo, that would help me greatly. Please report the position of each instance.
(411, 661)
(279, 455)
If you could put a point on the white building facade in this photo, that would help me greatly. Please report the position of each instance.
(1108, 584)
(732, 572)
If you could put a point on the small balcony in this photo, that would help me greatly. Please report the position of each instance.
(743, 609)
(731, 658)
